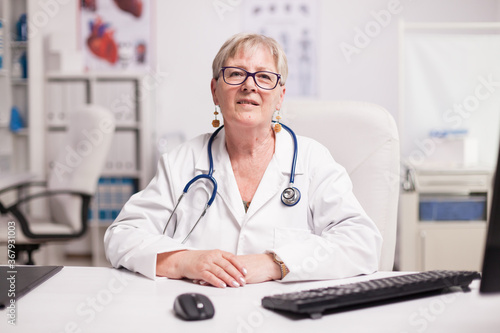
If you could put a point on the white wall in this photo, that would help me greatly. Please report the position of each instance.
(191, 32)
(189, 35)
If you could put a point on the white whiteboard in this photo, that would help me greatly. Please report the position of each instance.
(451, 82)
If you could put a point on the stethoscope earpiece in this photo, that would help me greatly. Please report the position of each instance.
(290, 196)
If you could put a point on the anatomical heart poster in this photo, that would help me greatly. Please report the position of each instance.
(116, 35)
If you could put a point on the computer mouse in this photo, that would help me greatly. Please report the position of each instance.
(193, 306)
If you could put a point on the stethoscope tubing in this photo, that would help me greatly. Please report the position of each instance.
(295, 151)
(209, 177)
(210, 170)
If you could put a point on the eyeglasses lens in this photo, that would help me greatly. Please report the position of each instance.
(263, 79)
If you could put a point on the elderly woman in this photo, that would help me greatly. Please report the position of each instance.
(249, 234)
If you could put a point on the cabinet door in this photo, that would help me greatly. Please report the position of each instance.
(63, 97)
(452, 248)
(122, 158)
(120, 97)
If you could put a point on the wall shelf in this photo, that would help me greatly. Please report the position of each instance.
(19, 44)
(19, 82)
(17, 157)
(22, 132)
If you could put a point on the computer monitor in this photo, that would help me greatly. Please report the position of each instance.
(490, 281)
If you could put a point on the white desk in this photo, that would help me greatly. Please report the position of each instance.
(81, 299)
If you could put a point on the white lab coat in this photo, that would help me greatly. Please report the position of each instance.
(326, 235)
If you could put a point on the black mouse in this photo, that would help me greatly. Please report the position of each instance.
(193, 306)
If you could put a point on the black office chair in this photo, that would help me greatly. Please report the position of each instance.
(70, 185)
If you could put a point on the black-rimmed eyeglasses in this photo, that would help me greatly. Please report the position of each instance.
(263, 79)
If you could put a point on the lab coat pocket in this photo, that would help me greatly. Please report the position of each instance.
(285, 236)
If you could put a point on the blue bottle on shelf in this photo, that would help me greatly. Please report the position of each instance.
(22, 28)
(16, 122)
(23, 60)
(1, 44)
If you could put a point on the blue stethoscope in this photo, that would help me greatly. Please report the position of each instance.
(289, 197)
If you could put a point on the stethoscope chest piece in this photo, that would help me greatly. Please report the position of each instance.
(290, 196)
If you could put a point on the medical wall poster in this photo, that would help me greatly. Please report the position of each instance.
(115, 35)
(294, 24)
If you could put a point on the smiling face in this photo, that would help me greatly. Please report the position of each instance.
(247, 105)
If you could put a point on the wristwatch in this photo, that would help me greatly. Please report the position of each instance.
(284, 270)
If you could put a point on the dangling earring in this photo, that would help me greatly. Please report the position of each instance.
(216, 122)
(277, 126)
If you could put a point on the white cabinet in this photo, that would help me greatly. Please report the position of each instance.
(443, 220)
(14, 92)
(128, 165)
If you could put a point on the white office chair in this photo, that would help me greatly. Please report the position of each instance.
(70, 185)
(362, 137)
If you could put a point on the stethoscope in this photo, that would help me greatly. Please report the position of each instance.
(289, 197)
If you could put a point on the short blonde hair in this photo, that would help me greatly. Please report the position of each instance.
(250, 41)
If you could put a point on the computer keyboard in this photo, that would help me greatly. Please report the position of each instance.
(314, 302)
